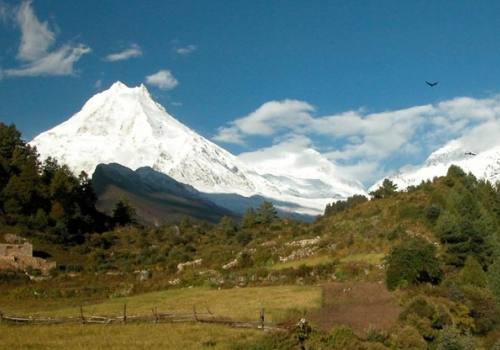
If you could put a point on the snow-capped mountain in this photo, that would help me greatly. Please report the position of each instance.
(125, 125)
(298, 169)
(484, 164)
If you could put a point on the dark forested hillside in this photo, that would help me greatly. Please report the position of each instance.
(44, 197)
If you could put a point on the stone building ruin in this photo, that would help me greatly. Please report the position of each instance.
(17, 254)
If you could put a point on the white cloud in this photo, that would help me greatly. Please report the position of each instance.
(36, 36)
(59, 62)
(186, 50)
(229, 135)
(162, 79)
(34, 49)
(132, 51)
(364, 144)
(267, 120)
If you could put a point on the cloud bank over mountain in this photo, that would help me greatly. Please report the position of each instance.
(361, 143)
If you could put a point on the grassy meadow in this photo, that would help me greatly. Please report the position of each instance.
(238, 303)
(130, 336)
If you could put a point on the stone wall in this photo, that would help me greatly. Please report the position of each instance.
(25, 263)
(25, 249)
(20, 257)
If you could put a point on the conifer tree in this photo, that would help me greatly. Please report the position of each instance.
(473, 274)
(266, 213)
(387, 189)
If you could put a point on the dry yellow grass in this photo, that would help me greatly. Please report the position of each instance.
(111, 337)
(369, 258)
(309, 261)
(237, 303)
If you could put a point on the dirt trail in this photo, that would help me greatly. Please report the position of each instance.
(359, 305)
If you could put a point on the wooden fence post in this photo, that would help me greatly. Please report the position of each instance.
(154, 311)
(194, 314)
(81, 315)
(124, 313)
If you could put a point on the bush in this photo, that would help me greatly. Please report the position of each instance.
(339, 338)
(494, 279)
(451, 339)
(11, 276)
(270, 341)
(408, 338)
(432, 212)
(412, 262)
(426, 316)
(396, 233)
(473, 274)
(483, 308)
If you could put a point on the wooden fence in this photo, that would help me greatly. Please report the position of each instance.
(154, 317)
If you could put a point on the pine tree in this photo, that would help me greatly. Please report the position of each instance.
(387, 189)
(227, 227)
(266, 213)
(473, 274)
(249, 219)
(123, 213)
(466, 228)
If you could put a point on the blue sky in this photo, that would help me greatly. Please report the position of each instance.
(225, 68)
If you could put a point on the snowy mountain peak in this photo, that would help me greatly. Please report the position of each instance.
(483, 164)
(125, 125)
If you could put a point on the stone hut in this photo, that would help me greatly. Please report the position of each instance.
(16, 250)
(17, 254)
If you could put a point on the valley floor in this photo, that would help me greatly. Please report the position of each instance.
(131, 336)
(279, 302)
(360, 305)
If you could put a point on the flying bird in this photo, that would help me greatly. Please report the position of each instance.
(431, 84)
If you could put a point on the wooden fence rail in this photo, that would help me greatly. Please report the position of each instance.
(154, 317)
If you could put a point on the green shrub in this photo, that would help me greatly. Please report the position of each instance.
(339, 338)
(432, 212)
(494, 279)
(396, 233)
(11, 276)
(412, 262)
(271, 341)
(473, 274)
(407, 338)
(425, 316)
(483, 308)
(451, 339)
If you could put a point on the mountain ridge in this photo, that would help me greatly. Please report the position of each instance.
(125, 125)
